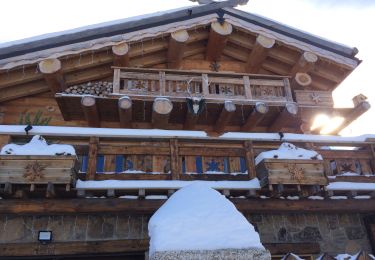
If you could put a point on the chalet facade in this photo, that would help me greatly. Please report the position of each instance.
(150, 104)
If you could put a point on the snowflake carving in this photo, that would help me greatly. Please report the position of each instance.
(215, 66)
(296, 173)
(267, 92)
(34, 171)
(316, 98)
(139, 84)
(347, 167)
(226, 90)
(213, 166)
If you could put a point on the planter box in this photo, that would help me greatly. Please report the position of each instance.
(287, 171)
(37, 169)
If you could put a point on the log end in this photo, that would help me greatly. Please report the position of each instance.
(229, 106)
(180, 36)
(88, 101)
(49, 66)
(265, 41)
(261, 107)
(303, 79)
(162, 106)
(222, 29)
(124, 103)
(292, 108)
(120, 49)
(310, 57)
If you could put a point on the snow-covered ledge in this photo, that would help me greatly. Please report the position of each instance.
(157, 133)
(198, 222)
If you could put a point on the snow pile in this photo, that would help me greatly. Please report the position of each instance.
(38, 146)
(340, 185)
(288, 151)
(200, 218)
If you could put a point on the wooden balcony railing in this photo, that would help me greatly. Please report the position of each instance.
(210, 85)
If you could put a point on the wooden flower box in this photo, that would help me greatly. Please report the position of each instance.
(37, 169)
(290, 171)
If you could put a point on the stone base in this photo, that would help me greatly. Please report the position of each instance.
(222, 254)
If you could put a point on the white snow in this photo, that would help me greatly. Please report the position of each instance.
(340, 185)
(200, 218)
(292, 198)
(156, 197)
(348, 174)
(346, 257)
(167, 184)
(338, 197)
(362, 197)
(129, 197)
(296, 257)
(37, 146)
(156, 133)
(315, 198)
(288, 151)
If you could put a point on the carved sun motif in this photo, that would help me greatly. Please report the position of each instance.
(34, 171)
(296, 173)
(316, 98)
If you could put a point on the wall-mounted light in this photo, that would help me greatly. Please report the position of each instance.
(45, 237)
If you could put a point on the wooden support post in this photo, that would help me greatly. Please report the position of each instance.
(116, 81)
(121, 54)
(259, 53)
(255, 116)
(205, 89)
(305, 63)
(356, 112)
(90, 111)
(50, 192)
(162, 82)
(288, 90)
(301, 81)
(285, 116)
(141, 193)
(249, 157)
(225, 116)
(176, 48)
(93, 153)
(247, 86)
(51, 70)
(161, 109)
(217, 40)
(190, 120)
(175, 160)
(32, 187)
(125, 111)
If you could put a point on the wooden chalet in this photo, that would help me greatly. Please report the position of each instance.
(182, 95)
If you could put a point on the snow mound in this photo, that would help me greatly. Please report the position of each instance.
(289, 151)
(199, 218)
(37, 146)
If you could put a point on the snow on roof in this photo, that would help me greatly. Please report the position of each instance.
(157, 133)
(340, 185)
(169, 184)
(200, 218)
(37, 146)
(288, 151)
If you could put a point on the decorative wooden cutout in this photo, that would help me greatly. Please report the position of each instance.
(213, 166)
(316, 98)
(34, 171)
(226, 90)
(215, 66)
(296, 173)
(347, 167)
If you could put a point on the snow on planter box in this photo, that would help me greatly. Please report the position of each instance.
(290, 165)
(37, 163)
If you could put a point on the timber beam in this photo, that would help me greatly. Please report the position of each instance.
(255, 116)
(51, 70)
(217, 40)
(305, 63)
(125, 111)
(259, 53)
(90, 110)
(286, 115)
(161, 110)
(225, 116)
(121, 55)
(176, 48)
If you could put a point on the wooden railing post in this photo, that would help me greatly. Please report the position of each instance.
(205, 90)
(175, 162)
(246, 82)
(250, 160)
(162, 82)
(93, 153)
(116, 81)
(288, 90)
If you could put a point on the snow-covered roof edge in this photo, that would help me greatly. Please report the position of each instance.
(160, 134)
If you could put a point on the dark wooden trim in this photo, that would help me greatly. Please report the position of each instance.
(296, 248)
(115, 205)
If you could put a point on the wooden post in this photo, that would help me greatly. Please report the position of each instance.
(116, 81)
(217, 40)
(205, 89)
(161, 109)
(121, 54)
(259, 53)
(125, 111)
(289, 111)
(93, 153)
(175, 162)
(225, 116)
(301, 81)
(162, 82)
(51, 70)
(288, 91)
(246, 83)
(90, 110)
(305, 63)
(249, 157)
(258, 113)
(176, 48)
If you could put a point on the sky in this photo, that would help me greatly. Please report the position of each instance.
(345, 21)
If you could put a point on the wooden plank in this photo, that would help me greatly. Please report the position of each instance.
(209, 151)
(93, 153)
(175, 160)
(259, 53)
(314, 98)
(217, 40)
(249, 157)
(109, 163)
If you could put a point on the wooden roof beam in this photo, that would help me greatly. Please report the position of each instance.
(176, 48)
(51, 70)
(125, 111)
(255, 116)
(305, 63)
(90, 111)
(259, 53)
(217, 40)
(121, 54)
(161, 110)
(286, 115)
(225, 116)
